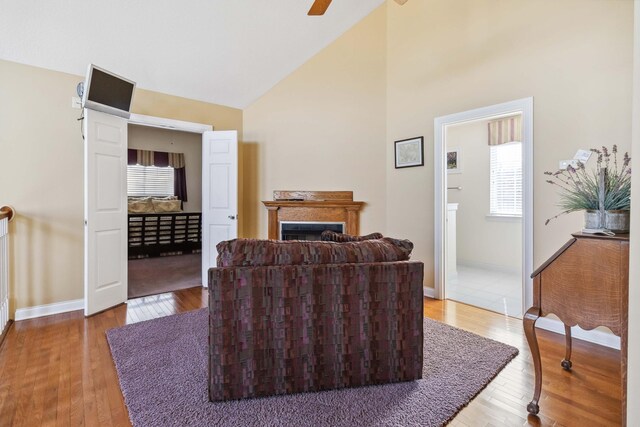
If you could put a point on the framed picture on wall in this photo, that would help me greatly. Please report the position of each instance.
(454, 161)
(409, 152)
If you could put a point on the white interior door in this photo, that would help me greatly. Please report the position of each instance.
(219, 193)
(105, 211)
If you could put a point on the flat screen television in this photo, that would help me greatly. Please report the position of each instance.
(107, 92)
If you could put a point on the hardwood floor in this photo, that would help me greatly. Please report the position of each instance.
(588, 396)
(58, 370)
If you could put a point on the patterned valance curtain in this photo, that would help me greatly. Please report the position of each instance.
(155, 158)
(505, 130)
(163, 159)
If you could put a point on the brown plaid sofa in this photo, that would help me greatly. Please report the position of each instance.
(298, 316)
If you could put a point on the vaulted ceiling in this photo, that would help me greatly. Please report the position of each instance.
(227, 52)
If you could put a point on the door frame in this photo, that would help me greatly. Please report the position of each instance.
(525, 107)
(158, 122)
(171, 124)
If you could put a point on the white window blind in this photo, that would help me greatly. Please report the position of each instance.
(149, 181)
(506, 179)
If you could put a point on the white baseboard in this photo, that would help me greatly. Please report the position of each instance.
(429, 292)
(48, 309)
(594, 336)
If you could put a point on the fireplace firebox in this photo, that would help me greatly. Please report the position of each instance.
(307, 230)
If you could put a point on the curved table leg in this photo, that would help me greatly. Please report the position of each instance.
(566, 362)
(529, 321)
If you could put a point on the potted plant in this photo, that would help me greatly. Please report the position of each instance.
(604, 193)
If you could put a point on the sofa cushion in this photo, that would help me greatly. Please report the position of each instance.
(254, 252)
(332, 236)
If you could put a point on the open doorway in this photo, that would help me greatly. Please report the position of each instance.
(484, 214)
(105, 202)
(483, 201)
(164, 192)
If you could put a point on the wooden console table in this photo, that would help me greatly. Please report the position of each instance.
(321, 206)
(585, 283)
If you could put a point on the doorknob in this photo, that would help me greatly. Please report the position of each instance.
(232, 217)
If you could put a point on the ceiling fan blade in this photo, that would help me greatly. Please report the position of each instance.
(401, 2)
(319, 7)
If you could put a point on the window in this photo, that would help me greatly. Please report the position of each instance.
(149, 181)
(506, 179)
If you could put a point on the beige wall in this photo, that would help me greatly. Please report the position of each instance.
(481, 240)
(442, 57)
(41, 163)
(171, 141)
(323, 127)
(573, 56)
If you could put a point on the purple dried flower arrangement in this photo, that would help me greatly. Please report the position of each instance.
(580, 188)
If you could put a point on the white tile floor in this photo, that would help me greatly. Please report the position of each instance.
(489, 289)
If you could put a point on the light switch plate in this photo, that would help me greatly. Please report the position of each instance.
(76, 103)
(583, 156)
(564, 163)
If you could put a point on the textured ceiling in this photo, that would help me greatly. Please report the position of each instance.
(227, 52)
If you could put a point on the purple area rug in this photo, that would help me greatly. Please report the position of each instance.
(162, 366)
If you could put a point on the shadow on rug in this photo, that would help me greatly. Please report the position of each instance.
(162, 367)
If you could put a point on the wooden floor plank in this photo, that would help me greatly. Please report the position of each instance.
(589, 396)
(58, 370)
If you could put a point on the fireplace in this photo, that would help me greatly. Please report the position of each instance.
(320, 210)
(307, 230)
